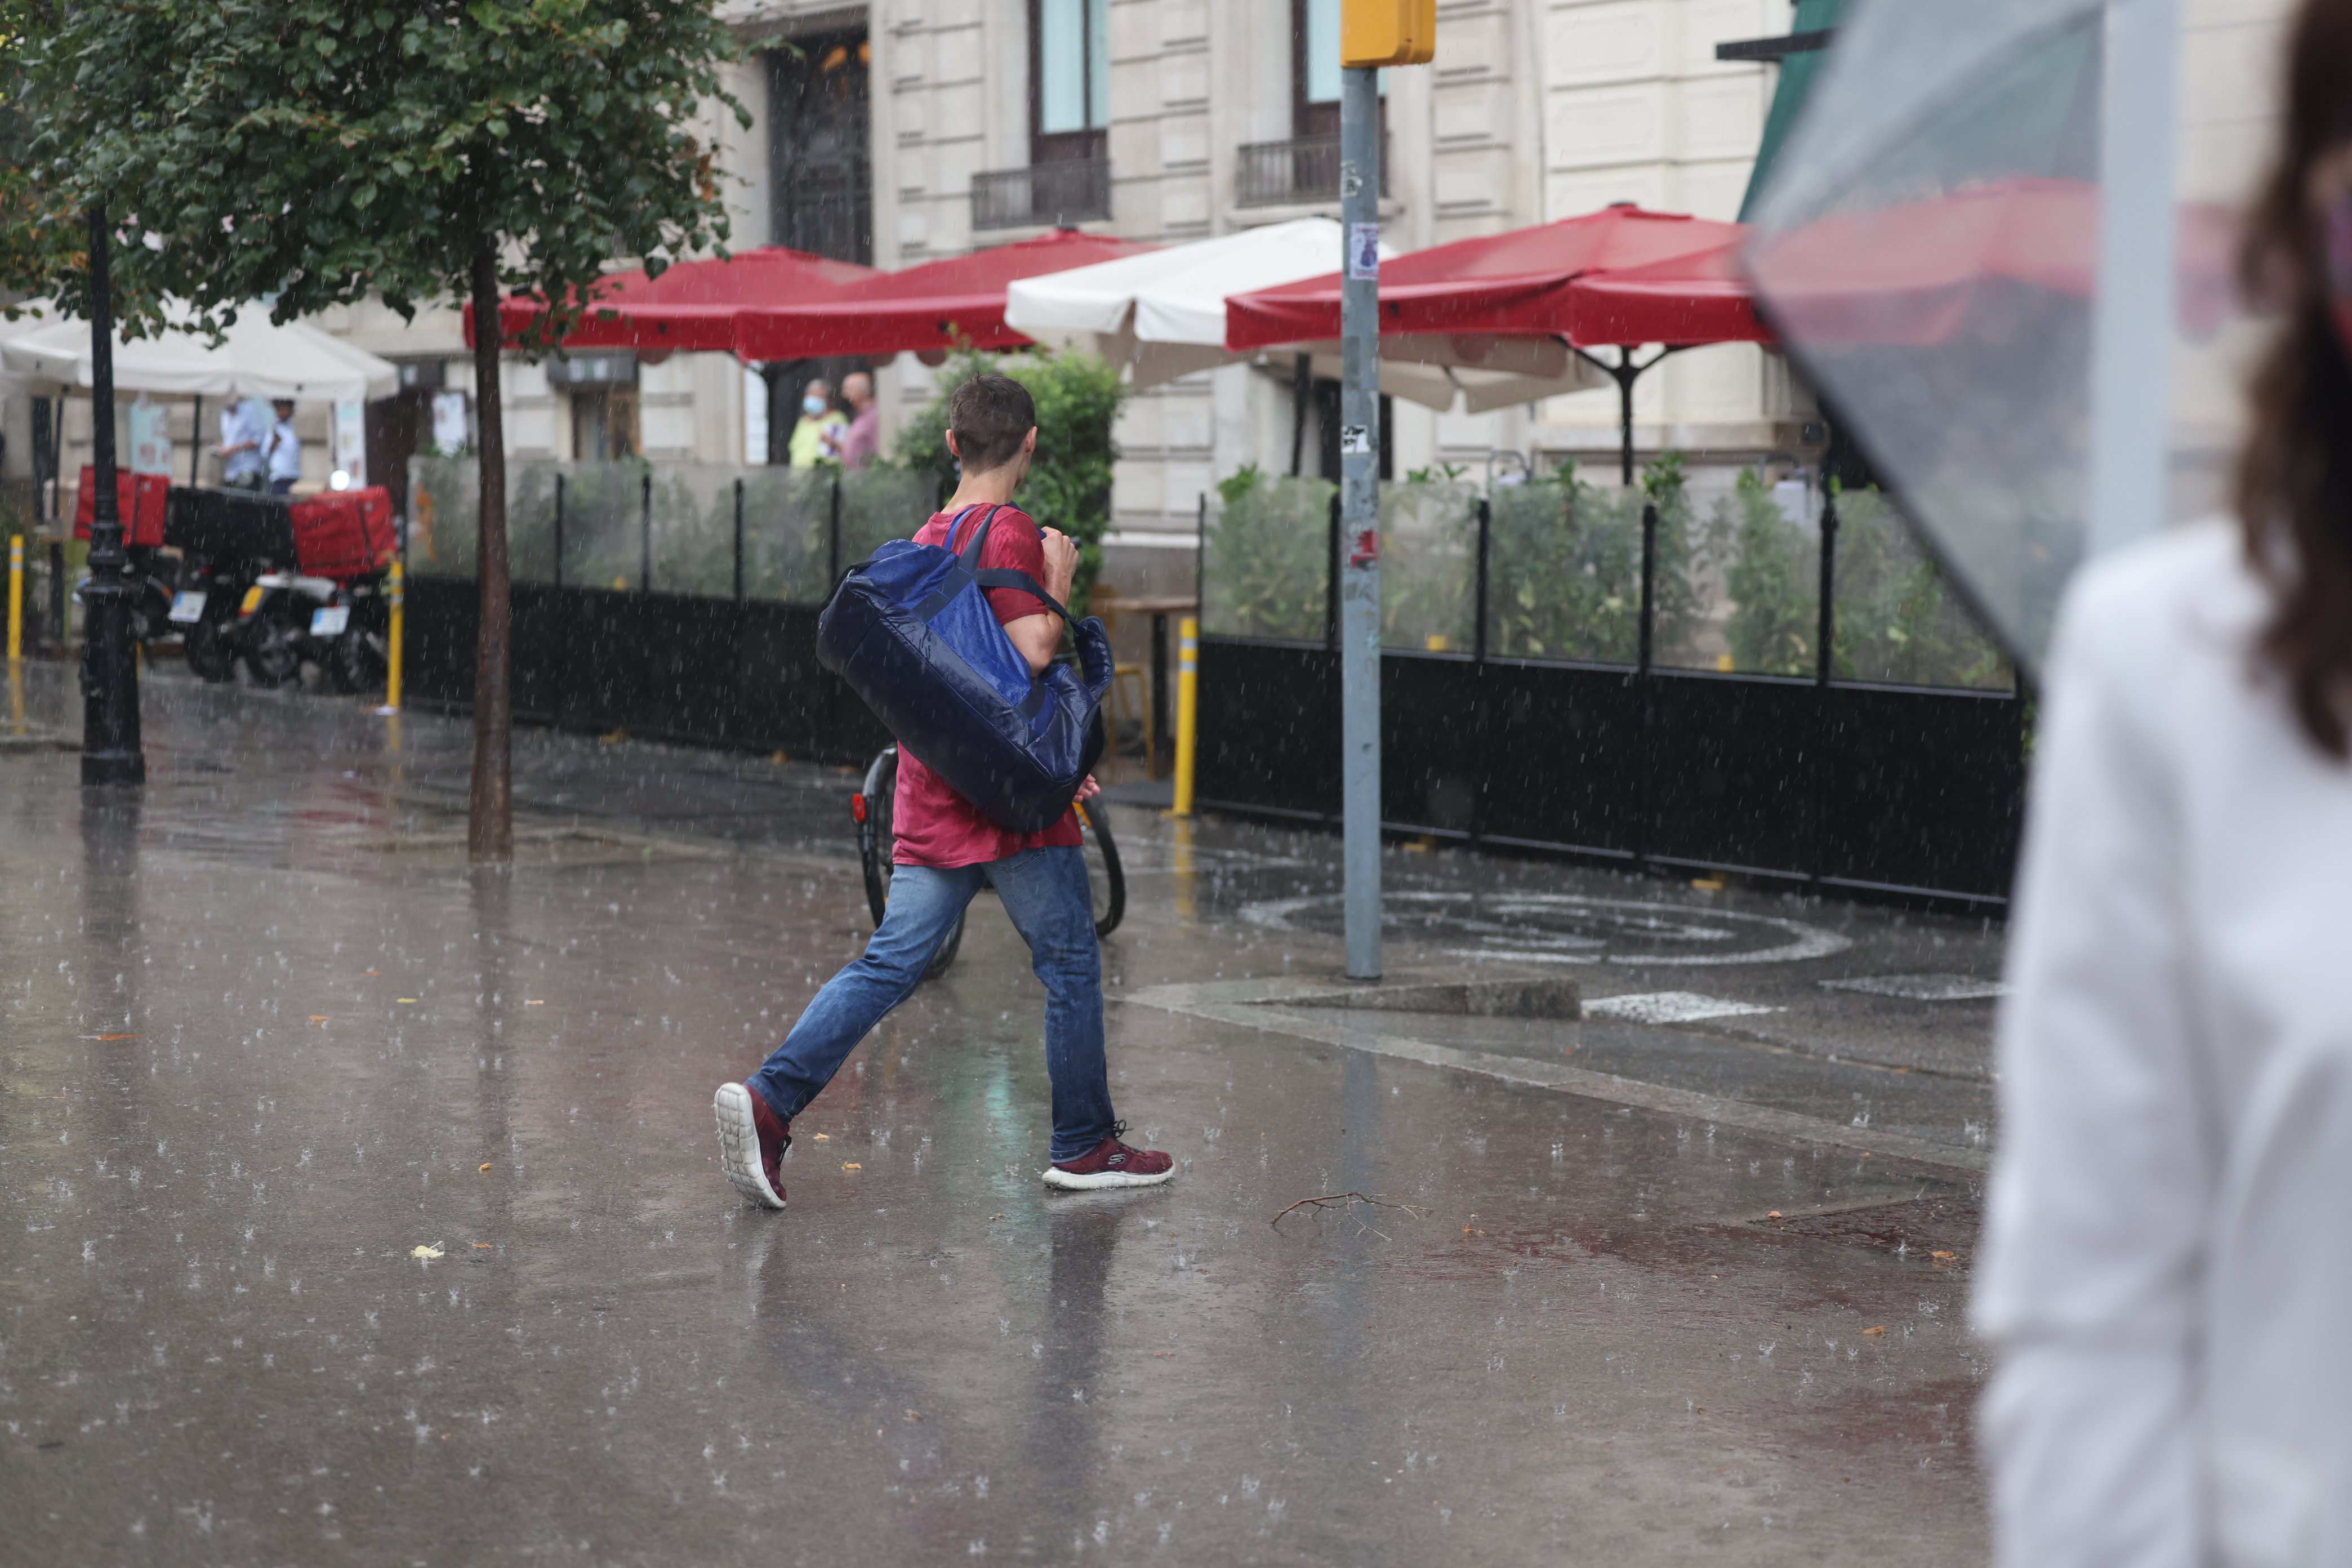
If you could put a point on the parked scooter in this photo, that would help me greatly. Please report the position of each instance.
(148, 577)
(288, 617)
(204, 612)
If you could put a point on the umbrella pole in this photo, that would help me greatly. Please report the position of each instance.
(196, 440)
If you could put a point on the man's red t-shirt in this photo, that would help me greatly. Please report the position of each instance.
(934, 825)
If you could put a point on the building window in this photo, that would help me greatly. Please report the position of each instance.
(820, 157)
(1314, 69)
(1069, 79)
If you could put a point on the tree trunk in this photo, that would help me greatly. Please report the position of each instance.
(489, 802)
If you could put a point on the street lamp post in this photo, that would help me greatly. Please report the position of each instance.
(110, 753)
(1360, 516)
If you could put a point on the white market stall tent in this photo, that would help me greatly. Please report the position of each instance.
(1162, 315)
(255, 358)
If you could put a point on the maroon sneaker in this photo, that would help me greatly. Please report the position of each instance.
(749, 1126)
(1111, 1163)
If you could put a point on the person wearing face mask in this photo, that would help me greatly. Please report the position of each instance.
(816, 437)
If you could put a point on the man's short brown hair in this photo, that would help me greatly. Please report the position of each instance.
(991, 414)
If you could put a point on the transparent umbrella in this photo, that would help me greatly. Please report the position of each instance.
(1930, 249)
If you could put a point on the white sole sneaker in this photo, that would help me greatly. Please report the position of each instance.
(1057, 1177)
(739, 1146)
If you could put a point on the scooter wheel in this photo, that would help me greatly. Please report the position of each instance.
(209, 656)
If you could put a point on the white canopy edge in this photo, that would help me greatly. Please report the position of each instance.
(256, 358)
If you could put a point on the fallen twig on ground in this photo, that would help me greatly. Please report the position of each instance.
(1347, 1203)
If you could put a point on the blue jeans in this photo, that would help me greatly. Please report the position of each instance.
(1046, 893)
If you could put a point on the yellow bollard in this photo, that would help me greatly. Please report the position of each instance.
(15, 598)
(392, 649)
(1188, 703)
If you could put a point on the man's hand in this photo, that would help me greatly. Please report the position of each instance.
(1089, 789)
(1061, 564)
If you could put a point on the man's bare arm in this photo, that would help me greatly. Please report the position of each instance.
(1039, 637)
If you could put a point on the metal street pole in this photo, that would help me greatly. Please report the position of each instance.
(110, 753)
(1359, 521)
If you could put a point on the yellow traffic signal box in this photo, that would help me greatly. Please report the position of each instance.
(1388, 32)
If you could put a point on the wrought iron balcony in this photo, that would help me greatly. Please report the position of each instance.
(1306, 169)
(1056, 193)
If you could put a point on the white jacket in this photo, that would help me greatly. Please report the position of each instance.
(2167, 1267)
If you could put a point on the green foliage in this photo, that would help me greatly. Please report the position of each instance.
(40, 239)
(1265, 567)
(1079, 398)
(317, 152)
(1564, 566)
(1772, 571)
(1429, 565)
(1896, 621)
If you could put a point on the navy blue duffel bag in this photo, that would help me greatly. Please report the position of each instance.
(909, 628)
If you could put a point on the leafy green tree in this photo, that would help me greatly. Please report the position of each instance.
(1079, 398)
(313, 153)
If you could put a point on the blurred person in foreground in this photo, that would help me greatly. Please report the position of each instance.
(816, 434)
(2167, 1272)
(861, 443)
(945, 850)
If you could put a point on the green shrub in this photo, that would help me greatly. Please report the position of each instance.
(1772, 571)
(1564, 566)
(1079, 398)
(1265, 557)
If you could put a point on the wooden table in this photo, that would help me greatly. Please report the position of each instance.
(1159, 608)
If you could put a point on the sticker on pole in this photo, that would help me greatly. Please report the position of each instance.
(1364, 252)
(1355, 440)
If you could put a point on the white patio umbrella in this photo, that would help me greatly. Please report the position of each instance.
(256, 359)
(1162, 314)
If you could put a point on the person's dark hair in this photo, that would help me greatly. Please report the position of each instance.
(991, 414)
(2294, 473)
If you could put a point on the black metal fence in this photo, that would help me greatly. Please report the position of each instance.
(671, 667)
(1857, 785)
(1588, 733)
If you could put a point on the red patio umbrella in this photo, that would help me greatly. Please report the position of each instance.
(692, 305)
(1683, 301)
(1513, 284)
(938, 306)
(1910, 275)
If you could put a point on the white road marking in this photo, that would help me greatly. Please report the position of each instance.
(1922, 987)
(1670, 1007)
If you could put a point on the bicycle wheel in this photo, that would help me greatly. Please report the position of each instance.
(874, 845)
(1103, 875)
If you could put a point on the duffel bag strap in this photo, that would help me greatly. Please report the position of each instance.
(1006, 577)
(998, 576)
(969, 553)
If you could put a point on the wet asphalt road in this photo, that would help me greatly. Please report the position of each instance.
(1650, 1290)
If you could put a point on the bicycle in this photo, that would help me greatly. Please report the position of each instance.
(872, 808)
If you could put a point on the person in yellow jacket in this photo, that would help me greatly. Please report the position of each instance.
(817, 437)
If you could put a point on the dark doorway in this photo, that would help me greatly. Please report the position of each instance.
(1326, 431)
(820, 146)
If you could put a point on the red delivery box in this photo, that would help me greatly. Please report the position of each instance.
(139, 497)
(344, 533)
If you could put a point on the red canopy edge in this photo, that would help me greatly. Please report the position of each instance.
(1513, 283)
(940, 305)
(691, 306)
(1705, 298)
